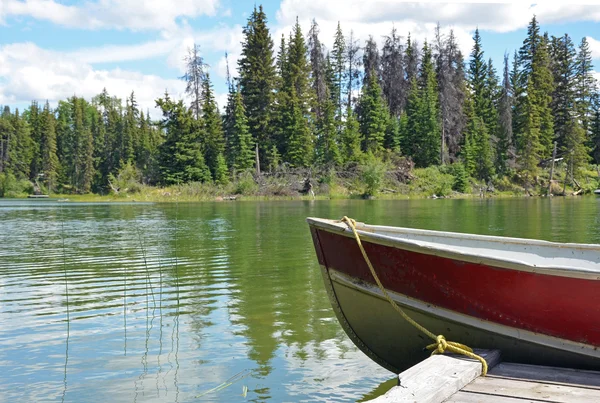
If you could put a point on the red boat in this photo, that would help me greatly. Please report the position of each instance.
(536, 301)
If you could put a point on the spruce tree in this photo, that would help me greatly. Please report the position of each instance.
(373, 116)
(298, 143)
(338, 56)
(353, 68)
(584, 84)
(195, 75)
(351, 151)
(563, 97)
(241, 147)
(451, 92)
(23, 147)
(504, 145)
(371, 61)
(181, 157)
(257, 80)
(49, 160)
(595, 128)
(214, 141)
(393, 82)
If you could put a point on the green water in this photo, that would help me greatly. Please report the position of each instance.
(163, 302)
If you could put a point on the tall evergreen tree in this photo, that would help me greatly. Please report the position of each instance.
(451, 89)
(318, 69)
(350, 141)
(242, 149)
(393, 82)
(371, 61)
(504, 145)
(299, 142)
(353, 67)
(214, 141)
(411, 59)
(338, 56)
(23, 147)
(562, 53)
(373, 116)
(422, 133)
(481, 81)
(257, 80)
(181, 156)
(49, 160)
(195, 75)
(584, 84)
(595, 128)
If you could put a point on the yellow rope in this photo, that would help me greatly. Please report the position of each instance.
(441, 345)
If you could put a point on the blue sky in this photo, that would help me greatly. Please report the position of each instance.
(52, 49)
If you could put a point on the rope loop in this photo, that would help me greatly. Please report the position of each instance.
(440, 345)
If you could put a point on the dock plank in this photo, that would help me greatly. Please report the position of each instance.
(437, 378)
(468, 397)
(503, 387)
(548, 374)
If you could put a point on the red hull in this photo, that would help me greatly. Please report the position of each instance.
(564, 308)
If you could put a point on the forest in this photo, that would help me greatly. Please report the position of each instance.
(357, 108)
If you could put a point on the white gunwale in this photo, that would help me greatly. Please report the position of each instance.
(369, 233)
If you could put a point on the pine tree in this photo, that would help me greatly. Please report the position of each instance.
(478, 75)
(451, 89)
(6, 140)
(595, 128)
(299, 143)
(411, 59)
(195, 75)
(371, 61)
(373, 116)
(181, 156)
(584, 84)
(317, 70)
(575, 149)
(393, 84)
(129, 134)
(327, 147)
(504, 145)
(257, 80)
(23, 147)
(422, 133)
(563, 97)
(338, 56)
(214, 141)
(49, 160)
(241, 147)
(351, 138)
(353, 67)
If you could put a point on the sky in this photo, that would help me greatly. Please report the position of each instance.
(54, 49)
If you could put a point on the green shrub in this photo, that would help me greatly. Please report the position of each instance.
(10, 186)
(372, 173)
(245, 184)
(432, 180)
(461, 177)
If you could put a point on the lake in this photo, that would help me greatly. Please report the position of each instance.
(206, 301)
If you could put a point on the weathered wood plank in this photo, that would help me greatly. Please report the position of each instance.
(437, 378)
(548, 374)
(494, 386)
(468, 397)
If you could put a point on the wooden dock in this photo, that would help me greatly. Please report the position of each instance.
(445, 378)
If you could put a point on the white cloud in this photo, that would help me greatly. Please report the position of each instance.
(29, 72)
(594, 47)
(488, 16)
(118, 14)
(377, 17)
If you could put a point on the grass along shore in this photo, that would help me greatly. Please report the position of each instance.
(373, 180)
